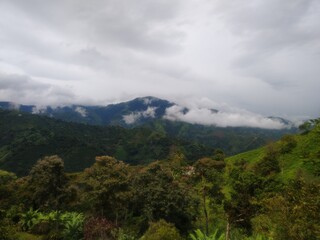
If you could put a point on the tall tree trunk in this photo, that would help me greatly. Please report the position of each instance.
(228, 230)
(205, 210)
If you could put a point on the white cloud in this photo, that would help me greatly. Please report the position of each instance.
(81, 111)
(148, 100)
(131, 118)
(206, 116)
(150, 112)
(134, 116)
(38, 109)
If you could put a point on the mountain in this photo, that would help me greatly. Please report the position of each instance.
(25, 138)
(128, 114)
(150, 112)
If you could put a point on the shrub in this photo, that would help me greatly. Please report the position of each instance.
(287, 144)
(161, 230)
(98, 228)
(54, 225)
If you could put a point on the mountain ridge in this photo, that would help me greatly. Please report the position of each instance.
(131, 113)
(152, 113)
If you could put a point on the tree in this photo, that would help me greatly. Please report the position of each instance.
(269, 164)
(287, 144)
(161, 230)
(7, 189)
(219, 155)
(240, 208)
(107, 188)
(157, 195)
(291, 214)
(209, 181)
(47, 182)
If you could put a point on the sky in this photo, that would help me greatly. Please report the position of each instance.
(252, 57)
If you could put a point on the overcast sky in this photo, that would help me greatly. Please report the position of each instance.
(260, 56)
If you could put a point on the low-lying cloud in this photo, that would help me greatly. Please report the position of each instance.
(207, 116)
(81, 111)
(134, 116)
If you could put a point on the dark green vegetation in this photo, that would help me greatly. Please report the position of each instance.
(24, 138)
(231, 140)
(269, 193)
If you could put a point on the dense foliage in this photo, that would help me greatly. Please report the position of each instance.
(24, 138)
(231, 140)
(256, 195)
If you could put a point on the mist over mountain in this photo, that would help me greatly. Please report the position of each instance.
(233, 132)
(146, 109)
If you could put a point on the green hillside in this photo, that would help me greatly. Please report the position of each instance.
(296, 154)
(25, 138)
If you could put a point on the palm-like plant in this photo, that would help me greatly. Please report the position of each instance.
(199, 235)
(29, 219)
(73, 225)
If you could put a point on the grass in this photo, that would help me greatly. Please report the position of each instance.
(250, 156)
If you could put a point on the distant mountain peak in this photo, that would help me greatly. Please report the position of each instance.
(141, 110)
(147, 100)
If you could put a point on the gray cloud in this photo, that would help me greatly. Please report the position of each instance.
(273, 33)
(272, 25)
(258, 55)
(18, 82)
(122, 23)
(23, 89)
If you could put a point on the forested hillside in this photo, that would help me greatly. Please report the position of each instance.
(232, 140)
(25, 138)
(269, 193)
(150, 112)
